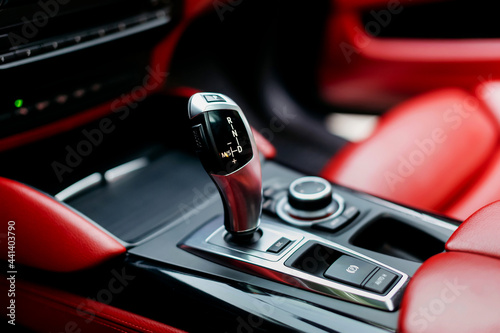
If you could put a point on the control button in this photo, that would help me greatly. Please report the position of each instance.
(101, 32)
(122, 26)
(199, 137)
(350, 213)
(83, 37)
(310, 194)
(24, 111)
(349, 270)
(27, 52)
(79, 93)
(213, 98)
(7, 57)
(279, 245)
(51, 46)
(269, 207)
(380, 281)
(332, 225)
(40, 106)
(61, 99)
(347, 216)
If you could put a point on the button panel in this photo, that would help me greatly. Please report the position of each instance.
(359, 273)
(56, 102)
(94, 34)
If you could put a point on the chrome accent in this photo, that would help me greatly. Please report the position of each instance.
(241, 193)
(84, 184)
(254, 262)
(269, 236)
(282, 209)
(311, 196)
(320, 213)
(122, 170)
(241, 190)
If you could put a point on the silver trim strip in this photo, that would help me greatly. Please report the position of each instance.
(120, 34)
(122, 170)
(310, 196)
(80, 186)
(254, 263)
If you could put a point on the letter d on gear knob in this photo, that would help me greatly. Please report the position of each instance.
(225, 145)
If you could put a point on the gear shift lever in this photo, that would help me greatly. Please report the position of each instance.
(226, 147)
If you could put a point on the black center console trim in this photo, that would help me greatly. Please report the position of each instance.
(98, 35)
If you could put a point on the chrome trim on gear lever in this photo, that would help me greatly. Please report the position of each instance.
(227, 150)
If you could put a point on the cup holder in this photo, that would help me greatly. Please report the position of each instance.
(396, 238)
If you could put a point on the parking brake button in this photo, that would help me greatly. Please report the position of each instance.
(349, 270)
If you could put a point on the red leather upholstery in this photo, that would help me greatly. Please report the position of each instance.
(480, 233)
(423, 152)
(44, 309)
(265, 147)
(453, 292)
(484, 190)
(49, 235)
(459, 291)
(361, 70)
(489, 94)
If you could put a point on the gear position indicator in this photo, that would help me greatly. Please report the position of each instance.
(232, 145)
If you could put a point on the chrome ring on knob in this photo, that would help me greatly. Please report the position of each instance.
(283, 209)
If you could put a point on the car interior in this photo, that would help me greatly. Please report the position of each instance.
(250, 166)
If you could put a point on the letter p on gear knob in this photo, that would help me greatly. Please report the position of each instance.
(226, 147)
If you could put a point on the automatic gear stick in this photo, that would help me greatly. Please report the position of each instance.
(226, 147)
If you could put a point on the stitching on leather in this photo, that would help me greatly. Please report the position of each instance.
(126, 322)
(115, 328)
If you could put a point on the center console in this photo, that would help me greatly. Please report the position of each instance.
(357, 273)
(283, 252)
(314, 257)
(260, 246)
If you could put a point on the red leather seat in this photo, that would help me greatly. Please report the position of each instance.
(458, 291)
(45, 309)
(438, 152)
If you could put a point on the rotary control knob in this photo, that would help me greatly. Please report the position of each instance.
(309, 199)
(310, 194)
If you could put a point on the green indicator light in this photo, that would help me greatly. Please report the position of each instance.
(18, 103)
